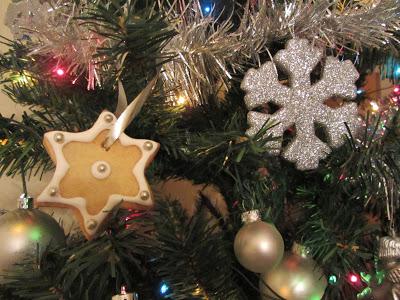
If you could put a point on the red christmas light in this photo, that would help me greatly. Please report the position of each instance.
(134, 214)
(354, 279)
(59, 71)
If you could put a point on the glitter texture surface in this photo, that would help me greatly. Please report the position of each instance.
(389, 247)
(302, 104)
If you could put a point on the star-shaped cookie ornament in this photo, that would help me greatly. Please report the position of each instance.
(92, 180)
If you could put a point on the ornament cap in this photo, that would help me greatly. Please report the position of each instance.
(25, 201)
(125, 296)
(251, 216)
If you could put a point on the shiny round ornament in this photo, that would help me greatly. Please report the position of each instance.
(296, 278)
(389, 253)
(258, 246)
(26, 233)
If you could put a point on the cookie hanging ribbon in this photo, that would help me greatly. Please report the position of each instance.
(122, 101)
(129, 113)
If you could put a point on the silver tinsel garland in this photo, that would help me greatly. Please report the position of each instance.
(50, 28)
(209, 51)
(335, 24)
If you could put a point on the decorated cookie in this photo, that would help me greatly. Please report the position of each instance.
(93, 180)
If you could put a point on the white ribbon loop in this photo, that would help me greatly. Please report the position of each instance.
(129, 113)
(122, 102)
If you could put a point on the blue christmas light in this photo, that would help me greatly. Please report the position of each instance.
(397, 71)
(207, 9)
(164, 289)
(360, 91)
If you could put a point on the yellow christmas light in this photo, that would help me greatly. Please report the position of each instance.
(374, 106)
(200, 292)
(182, 99)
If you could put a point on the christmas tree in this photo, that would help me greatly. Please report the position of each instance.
(260, 107)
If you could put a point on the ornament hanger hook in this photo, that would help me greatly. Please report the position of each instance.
(24, 201)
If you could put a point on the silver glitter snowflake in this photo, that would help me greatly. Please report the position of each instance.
(302, 104)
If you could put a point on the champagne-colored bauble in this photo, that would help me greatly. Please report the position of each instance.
(26, 233)
(258, 246)
(389, 253)
(296, 278)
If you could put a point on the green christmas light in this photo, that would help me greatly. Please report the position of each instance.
(365, 292)
(332, 279)
(366, 277)
(380, 276)
(328, 177)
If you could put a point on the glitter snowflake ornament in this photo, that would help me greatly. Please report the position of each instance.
(302, 104)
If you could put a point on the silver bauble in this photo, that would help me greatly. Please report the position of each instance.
(258, 246)
(296, 278)
(389, 253)
(26, 233)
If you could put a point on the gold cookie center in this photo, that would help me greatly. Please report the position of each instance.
(79, 181)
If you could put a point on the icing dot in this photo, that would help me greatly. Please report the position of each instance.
(148, 146)
(59, 137)
(101, 169)
(91, 224)
(53, 191)
(144, 195)
(108, 118)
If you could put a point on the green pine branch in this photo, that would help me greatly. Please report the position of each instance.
(137, 32)
(194, 257)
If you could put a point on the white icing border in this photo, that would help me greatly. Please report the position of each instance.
(62, 167)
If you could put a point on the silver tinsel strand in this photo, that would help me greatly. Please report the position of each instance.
(207, 52)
